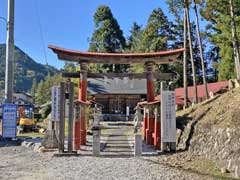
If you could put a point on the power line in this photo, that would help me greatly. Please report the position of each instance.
(41, 31)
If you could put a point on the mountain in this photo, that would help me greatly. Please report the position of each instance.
(25, 70)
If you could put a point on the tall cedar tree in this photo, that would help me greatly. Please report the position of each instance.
(197, 57)
(157, 32)
(107, 37)
(133, 45)
(200, 49)
(176, 7)
(135, 38)
(156, 37)
(219, 31)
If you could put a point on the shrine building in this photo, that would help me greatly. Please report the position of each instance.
(118, 97)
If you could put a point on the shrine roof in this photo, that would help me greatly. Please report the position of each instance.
(117, 86)
(163, 57)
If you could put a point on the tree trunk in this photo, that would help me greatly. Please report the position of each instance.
(191, 55)
(185, 64)
(234, 41)
(201, 50)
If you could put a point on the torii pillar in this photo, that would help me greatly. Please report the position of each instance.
(83, 98)
(80, 124)
(149, 119)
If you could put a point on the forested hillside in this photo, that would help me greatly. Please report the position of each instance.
(25, 70)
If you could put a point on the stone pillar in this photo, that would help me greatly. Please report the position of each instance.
(77, 127)
(96, 133)
(83, 98)
(150, 98)
(137, 145)
(96, 141)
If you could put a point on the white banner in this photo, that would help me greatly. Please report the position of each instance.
(168, 116)
(55, 114)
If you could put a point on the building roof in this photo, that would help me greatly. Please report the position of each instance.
(116, 86)
(212, 87)
(215, 87)
(157, 99)
(24, 93)
(163, 57)
(178, 99)
(23, 100)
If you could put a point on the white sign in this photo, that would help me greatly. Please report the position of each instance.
(168, 116)
(55, 114)
(9, 123)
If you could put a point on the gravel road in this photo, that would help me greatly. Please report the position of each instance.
(17, 162)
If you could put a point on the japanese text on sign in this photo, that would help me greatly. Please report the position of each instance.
(55, 114)
(9, 124)
(168, 116)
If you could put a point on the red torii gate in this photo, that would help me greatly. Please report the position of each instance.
(148, 59)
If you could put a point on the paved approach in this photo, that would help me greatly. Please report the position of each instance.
(117, 162)
(117, 139)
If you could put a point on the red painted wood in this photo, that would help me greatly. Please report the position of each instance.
(105, 55)
(150, 91)
(83, 132)
(83, 90)
(150, 131)
(77, 135)
(157, 135)
(83, 97)
(145, 128)
(80, 125)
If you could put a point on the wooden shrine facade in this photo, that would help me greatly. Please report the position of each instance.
(117, 97)
(149, 60)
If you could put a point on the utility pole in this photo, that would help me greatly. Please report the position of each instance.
(9, 53)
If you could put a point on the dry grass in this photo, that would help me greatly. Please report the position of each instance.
(196, 164)
(221, 112)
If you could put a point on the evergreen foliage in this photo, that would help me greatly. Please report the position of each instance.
(135, 38)
(43, 91)
(157, 33)
(219, 31)
(133, 45)
(107, 37)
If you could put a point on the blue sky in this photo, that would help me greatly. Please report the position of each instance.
(68, 23)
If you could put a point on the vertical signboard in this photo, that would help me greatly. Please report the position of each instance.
(168, 116)
(9, 121)
(55, 114)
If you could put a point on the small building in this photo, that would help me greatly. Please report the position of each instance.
(213, 89)
(22, 98)
(118, 97)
